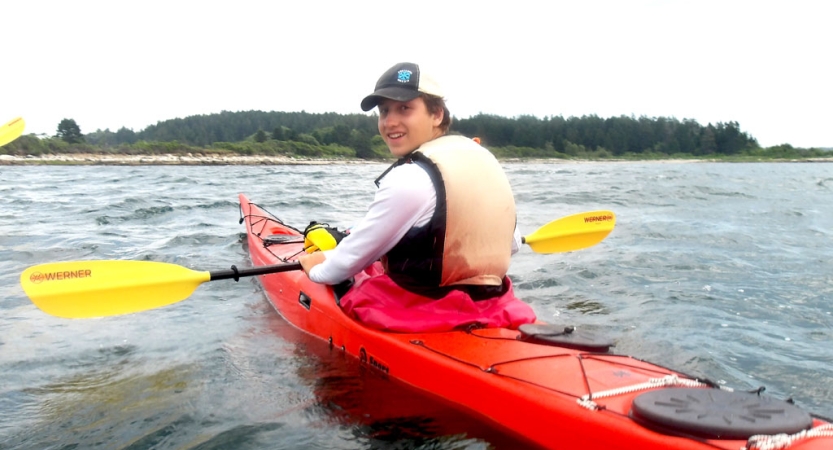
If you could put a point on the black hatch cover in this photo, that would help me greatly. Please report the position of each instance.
(717, 414)
(568, 337)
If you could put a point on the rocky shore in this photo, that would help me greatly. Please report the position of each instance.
(168, 159)
(224, 160)
(256, 160)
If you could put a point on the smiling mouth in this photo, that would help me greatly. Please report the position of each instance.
(396, 135)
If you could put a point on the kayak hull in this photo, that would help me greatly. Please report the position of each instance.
(551, 396)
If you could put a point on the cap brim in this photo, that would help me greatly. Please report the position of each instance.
(399, 94)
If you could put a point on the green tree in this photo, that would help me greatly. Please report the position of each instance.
(307, 139)
(341, 134)
(70, 132)
(707, 142)
(125, 136)
(277, 133)
(290, 134)
(360, 142)
(260, 136)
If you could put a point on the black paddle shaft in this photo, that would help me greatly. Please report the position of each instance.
(236, 273)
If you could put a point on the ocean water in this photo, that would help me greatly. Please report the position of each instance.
(718, 270)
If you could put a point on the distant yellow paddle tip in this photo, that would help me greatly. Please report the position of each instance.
(11, 130)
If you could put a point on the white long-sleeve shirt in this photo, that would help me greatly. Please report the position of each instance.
(405, 199)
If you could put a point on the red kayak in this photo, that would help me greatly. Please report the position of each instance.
(553, 386)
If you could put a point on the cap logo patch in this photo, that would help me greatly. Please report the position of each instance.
(404, 76)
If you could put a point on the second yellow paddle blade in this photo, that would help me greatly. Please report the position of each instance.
(82, 289)
(571, 233)
(11, 130)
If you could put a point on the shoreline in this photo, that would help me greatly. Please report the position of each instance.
(90, 159)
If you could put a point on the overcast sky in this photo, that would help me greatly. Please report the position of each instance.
(112, 64)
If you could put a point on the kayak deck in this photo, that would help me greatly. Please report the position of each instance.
(550, 395)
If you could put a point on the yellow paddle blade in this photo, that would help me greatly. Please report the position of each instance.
(11, 130)
(574, 232)
(82, 289)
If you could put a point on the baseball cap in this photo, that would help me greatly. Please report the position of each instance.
(402, 82)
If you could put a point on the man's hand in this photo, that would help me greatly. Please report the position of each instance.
(311, 260)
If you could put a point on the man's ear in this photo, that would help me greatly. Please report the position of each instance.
(438, 117)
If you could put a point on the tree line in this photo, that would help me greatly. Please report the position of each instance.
(355, 135)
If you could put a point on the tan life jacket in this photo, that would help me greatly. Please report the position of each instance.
(468, 241)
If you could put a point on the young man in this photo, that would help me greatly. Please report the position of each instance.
(442, 223)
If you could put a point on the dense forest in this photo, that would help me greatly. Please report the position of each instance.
(331, 135)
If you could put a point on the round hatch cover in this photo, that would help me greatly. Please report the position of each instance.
(717, 414)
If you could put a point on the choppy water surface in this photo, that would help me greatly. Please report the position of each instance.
(720, 270)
